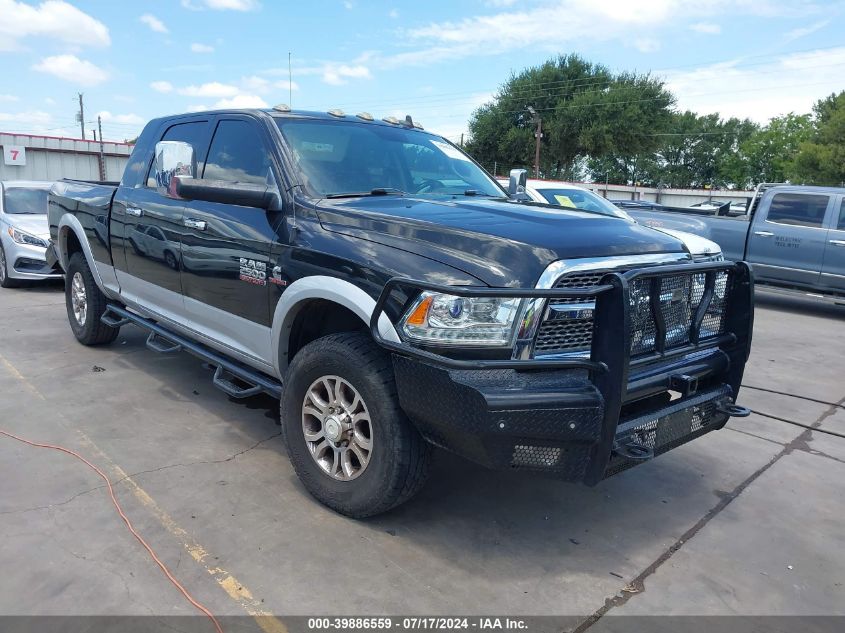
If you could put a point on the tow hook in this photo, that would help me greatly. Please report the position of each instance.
(632, 450)
(733, 410)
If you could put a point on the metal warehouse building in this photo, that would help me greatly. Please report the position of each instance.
(31, 157)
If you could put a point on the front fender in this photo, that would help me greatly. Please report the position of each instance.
(326, 288)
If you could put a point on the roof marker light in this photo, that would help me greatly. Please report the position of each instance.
(365, 115)
(338, 113)
(391, 119)
(282, 107)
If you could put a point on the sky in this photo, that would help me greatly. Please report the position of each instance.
(437, 60)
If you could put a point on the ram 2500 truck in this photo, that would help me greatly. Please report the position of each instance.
(394, 297)
(793, 236)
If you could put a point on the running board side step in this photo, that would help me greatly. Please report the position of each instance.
(226, 372)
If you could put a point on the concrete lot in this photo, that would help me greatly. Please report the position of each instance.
(748, 520)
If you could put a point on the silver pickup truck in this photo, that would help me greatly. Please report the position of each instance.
(793, 236)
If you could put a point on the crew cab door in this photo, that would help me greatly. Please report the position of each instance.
(833, 268)
(787, 239)
(148, 269)
(226, 248)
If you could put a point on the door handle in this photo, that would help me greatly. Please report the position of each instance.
(191, 223)
(838, 242)
(134, 211)
(763, 233)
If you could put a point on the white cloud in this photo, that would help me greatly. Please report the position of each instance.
(286, 85)
(348, 5)
(759, 91)
(242, 101)
(154, 23)
(256, 84)
(197, 108)
(54, 19)
(708, 28)
(221, 5)
(71, 68)
(162, 86)
(201, 48)
(30, 121)
(804, 31)
(125, 119)
(49, 101)
(393, 14)
(7, 98)
(646, 45)
(212, 89)
(339, 74)
(500, 3)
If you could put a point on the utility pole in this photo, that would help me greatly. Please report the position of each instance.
(538, 134)
(102, 155)
(81, 116)
(462, 140)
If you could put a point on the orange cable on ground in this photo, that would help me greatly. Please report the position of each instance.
(126, 520)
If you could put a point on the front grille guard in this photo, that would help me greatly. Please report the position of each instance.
(610, 359)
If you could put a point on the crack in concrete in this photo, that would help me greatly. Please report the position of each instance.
(638, 583)
(142, 472)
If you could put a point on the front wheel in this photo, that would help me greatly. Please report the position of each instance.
(86, 303)
(5, 280)
(350, 443)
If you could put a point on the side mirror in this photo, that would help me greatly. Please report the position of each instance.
(518, 181)
(225, 192)
(174, 160)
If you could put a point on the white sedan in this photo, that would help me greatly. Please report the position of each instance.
(564, 194)
(24, 233)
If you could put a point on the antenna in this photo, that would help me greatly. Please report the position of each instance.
(290, 83)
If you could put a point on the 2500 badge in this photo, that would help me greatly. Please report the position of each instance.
(253, 272)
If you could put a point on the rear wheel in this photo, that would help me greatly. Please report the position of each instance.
(86, 303)
(5, 280)
(350, 443)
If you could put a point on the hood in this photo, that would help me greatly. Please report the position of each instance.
(34, 224)
(501, 243)
(695, 244)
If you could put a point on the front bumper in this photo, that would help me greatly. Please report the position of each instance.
(26, 261)
(580, 419)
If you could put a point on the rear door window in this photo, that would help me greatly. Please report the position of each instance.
(841, 224)
(798, 209)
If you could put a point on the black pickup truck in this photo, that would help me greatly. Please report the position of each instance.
(394, 296)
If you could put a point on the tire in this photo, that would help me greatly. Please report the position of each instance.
(398, 459)
(5, 280)
(170, 260)
(85, 304)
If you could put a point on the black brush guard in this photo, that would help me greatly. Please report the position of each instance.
(457, 404)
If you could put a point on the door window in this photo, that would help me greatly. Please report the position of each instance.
(192, 133)
(841, 225)
(798, 209)
(237, 154)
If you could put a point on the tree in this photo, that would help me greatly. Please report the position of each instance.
(821, 159)
(586, 111)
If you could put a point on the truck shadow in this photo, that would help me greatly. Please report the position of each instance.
(467, 519)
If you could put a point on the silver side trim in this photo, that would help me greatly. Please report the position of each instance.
(218, 328)
(320, 287)
(104, 274)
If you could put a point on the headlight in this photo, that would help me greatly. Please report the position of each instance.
(22, 237)
(449, 320)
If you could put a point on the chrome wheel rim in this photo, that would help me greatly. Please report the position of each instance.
(78, 299)
(337, 428)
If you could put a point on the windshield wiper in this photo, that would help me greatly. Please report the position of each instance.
(475, 192)
(378, 191)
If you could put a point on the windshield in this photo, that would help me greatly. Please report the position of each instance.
(582, 199)
(347, 157)
(25, 200)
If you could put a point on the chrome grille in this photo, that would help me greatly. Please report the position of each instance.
(680, 296)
